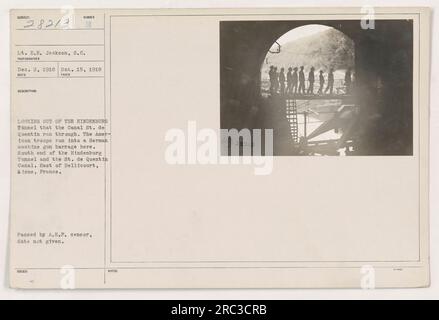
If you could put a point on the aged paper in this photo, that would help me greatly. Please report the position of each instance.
(262, 148)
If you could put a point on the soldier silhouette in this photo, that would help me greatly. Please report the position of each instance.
(301, 81)
(271, 76)
(295, 81)
(330, 86)
(311, 81)
(282, 81)
(321, 82)
(289, 81)
(276, 80)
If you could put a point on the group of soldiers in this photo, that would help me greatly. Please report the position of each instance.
(294, 81)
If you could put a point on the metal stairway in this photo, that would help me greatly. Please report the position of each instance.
(291, 113)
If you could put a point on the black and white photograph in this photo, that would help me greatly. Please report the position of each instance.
(219, 156)
(325, 88)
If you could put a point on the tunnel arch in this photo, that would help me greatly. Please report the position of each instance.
(284, 38)
(243, 47)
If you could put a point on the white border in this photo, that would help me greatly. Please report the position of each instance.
(6, 293)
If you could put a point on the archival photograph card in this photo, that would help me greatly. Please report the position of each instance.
(219, 148)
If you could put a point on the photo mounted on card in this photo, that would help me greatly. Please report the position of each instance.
(220, 148)
(325, 88)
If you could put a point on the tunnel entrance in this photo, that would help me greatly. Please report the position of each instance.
(309, 74)
(374, 118)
